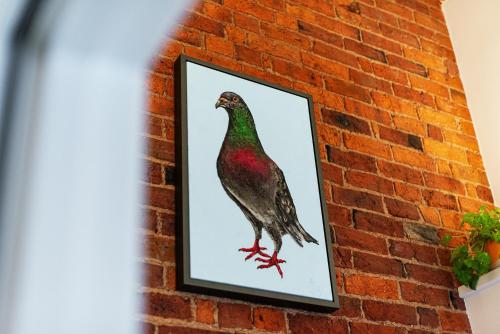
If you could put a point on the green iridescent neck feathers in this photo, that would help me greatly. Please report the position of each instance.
(241, 130)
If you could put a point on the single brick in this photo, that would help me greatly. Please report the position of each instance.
(366, 111)
(484, 193)
(248, 55)
(319, 33)
(444, 183)
(408, 192)
(413, 95)
(426, 59)
(338, 215)
(394, 103)
(160, 198)
(378, 15)
(358, 199)
(349, 307)
(377, 264)
(410, 125)
(457, 302)
(153, 275)
(161, 150)
(370, 81)
(312, 324)
(428, 86)
(401, 138)
(150, 220)
(369, 181)
(345, 121)
(167, 306)
(422, 233)
(189, 36)
(400, 172)
(381, 42)
(364, 328)
(347, 88)
(377, 223)
(428, 317)
(250, 8)
(219, 45)
(365, 50)
(203, 23)
(430, 215)
(408, 250)
(234, 315)
(406, 65)
(395, 9)
(402, 209)
(399, 35)
(438, 199)
(364, 285)
(332, 173)
(216, 12)
(454, 321)
(399, 313)
(357, 239)
(297, 72)
(417, 293)
(205, 311)
(343, 257)
(366, 145)
(326, 65)
(429, 275)
(153, 172)
(159, 248)
(334, 53)
(444, 257)
(269, 319)
(246, 22)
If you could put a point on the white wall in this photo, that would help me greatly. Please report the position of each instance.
(475, 33)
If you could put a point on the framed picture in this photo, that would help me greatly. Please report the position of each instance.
(252, 221)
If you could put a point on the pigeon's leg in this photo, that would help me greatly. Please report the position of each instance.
(273, 261)
(255, 249)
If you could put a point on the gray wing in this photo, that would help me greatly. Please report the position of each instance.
(285, 210)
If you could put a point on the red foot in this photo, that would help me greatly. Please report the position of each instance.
(255, 249)
(271, 262)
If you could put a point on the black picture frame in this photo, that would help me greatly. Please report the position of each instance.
(184, 281)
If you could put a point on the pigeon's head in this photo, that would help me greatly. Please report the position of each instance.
(230, 101)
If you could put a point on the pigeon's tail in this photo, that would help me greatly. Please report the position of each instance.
(307, 237)
(299, 233)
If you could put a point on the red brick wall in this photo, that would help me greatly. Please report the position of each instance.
(398, 151)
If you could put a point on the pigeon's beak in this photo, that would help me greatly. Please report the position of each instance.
(221, 102)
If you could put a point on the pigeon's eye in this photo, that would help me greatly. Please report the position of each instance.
(235, 99)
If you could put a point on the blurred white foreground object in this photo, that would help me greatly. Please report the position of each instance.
(70, 162)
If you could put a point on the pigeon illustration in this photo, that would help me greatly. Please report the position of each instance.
(256, 184)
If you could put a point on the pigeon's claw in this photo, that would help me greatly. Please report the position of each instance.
(254, 250)
(273, 261)
(267, 260)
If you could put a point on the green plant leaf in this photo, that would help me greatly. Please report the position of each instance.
(484, 261)
(470, 261)
(496, 236)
